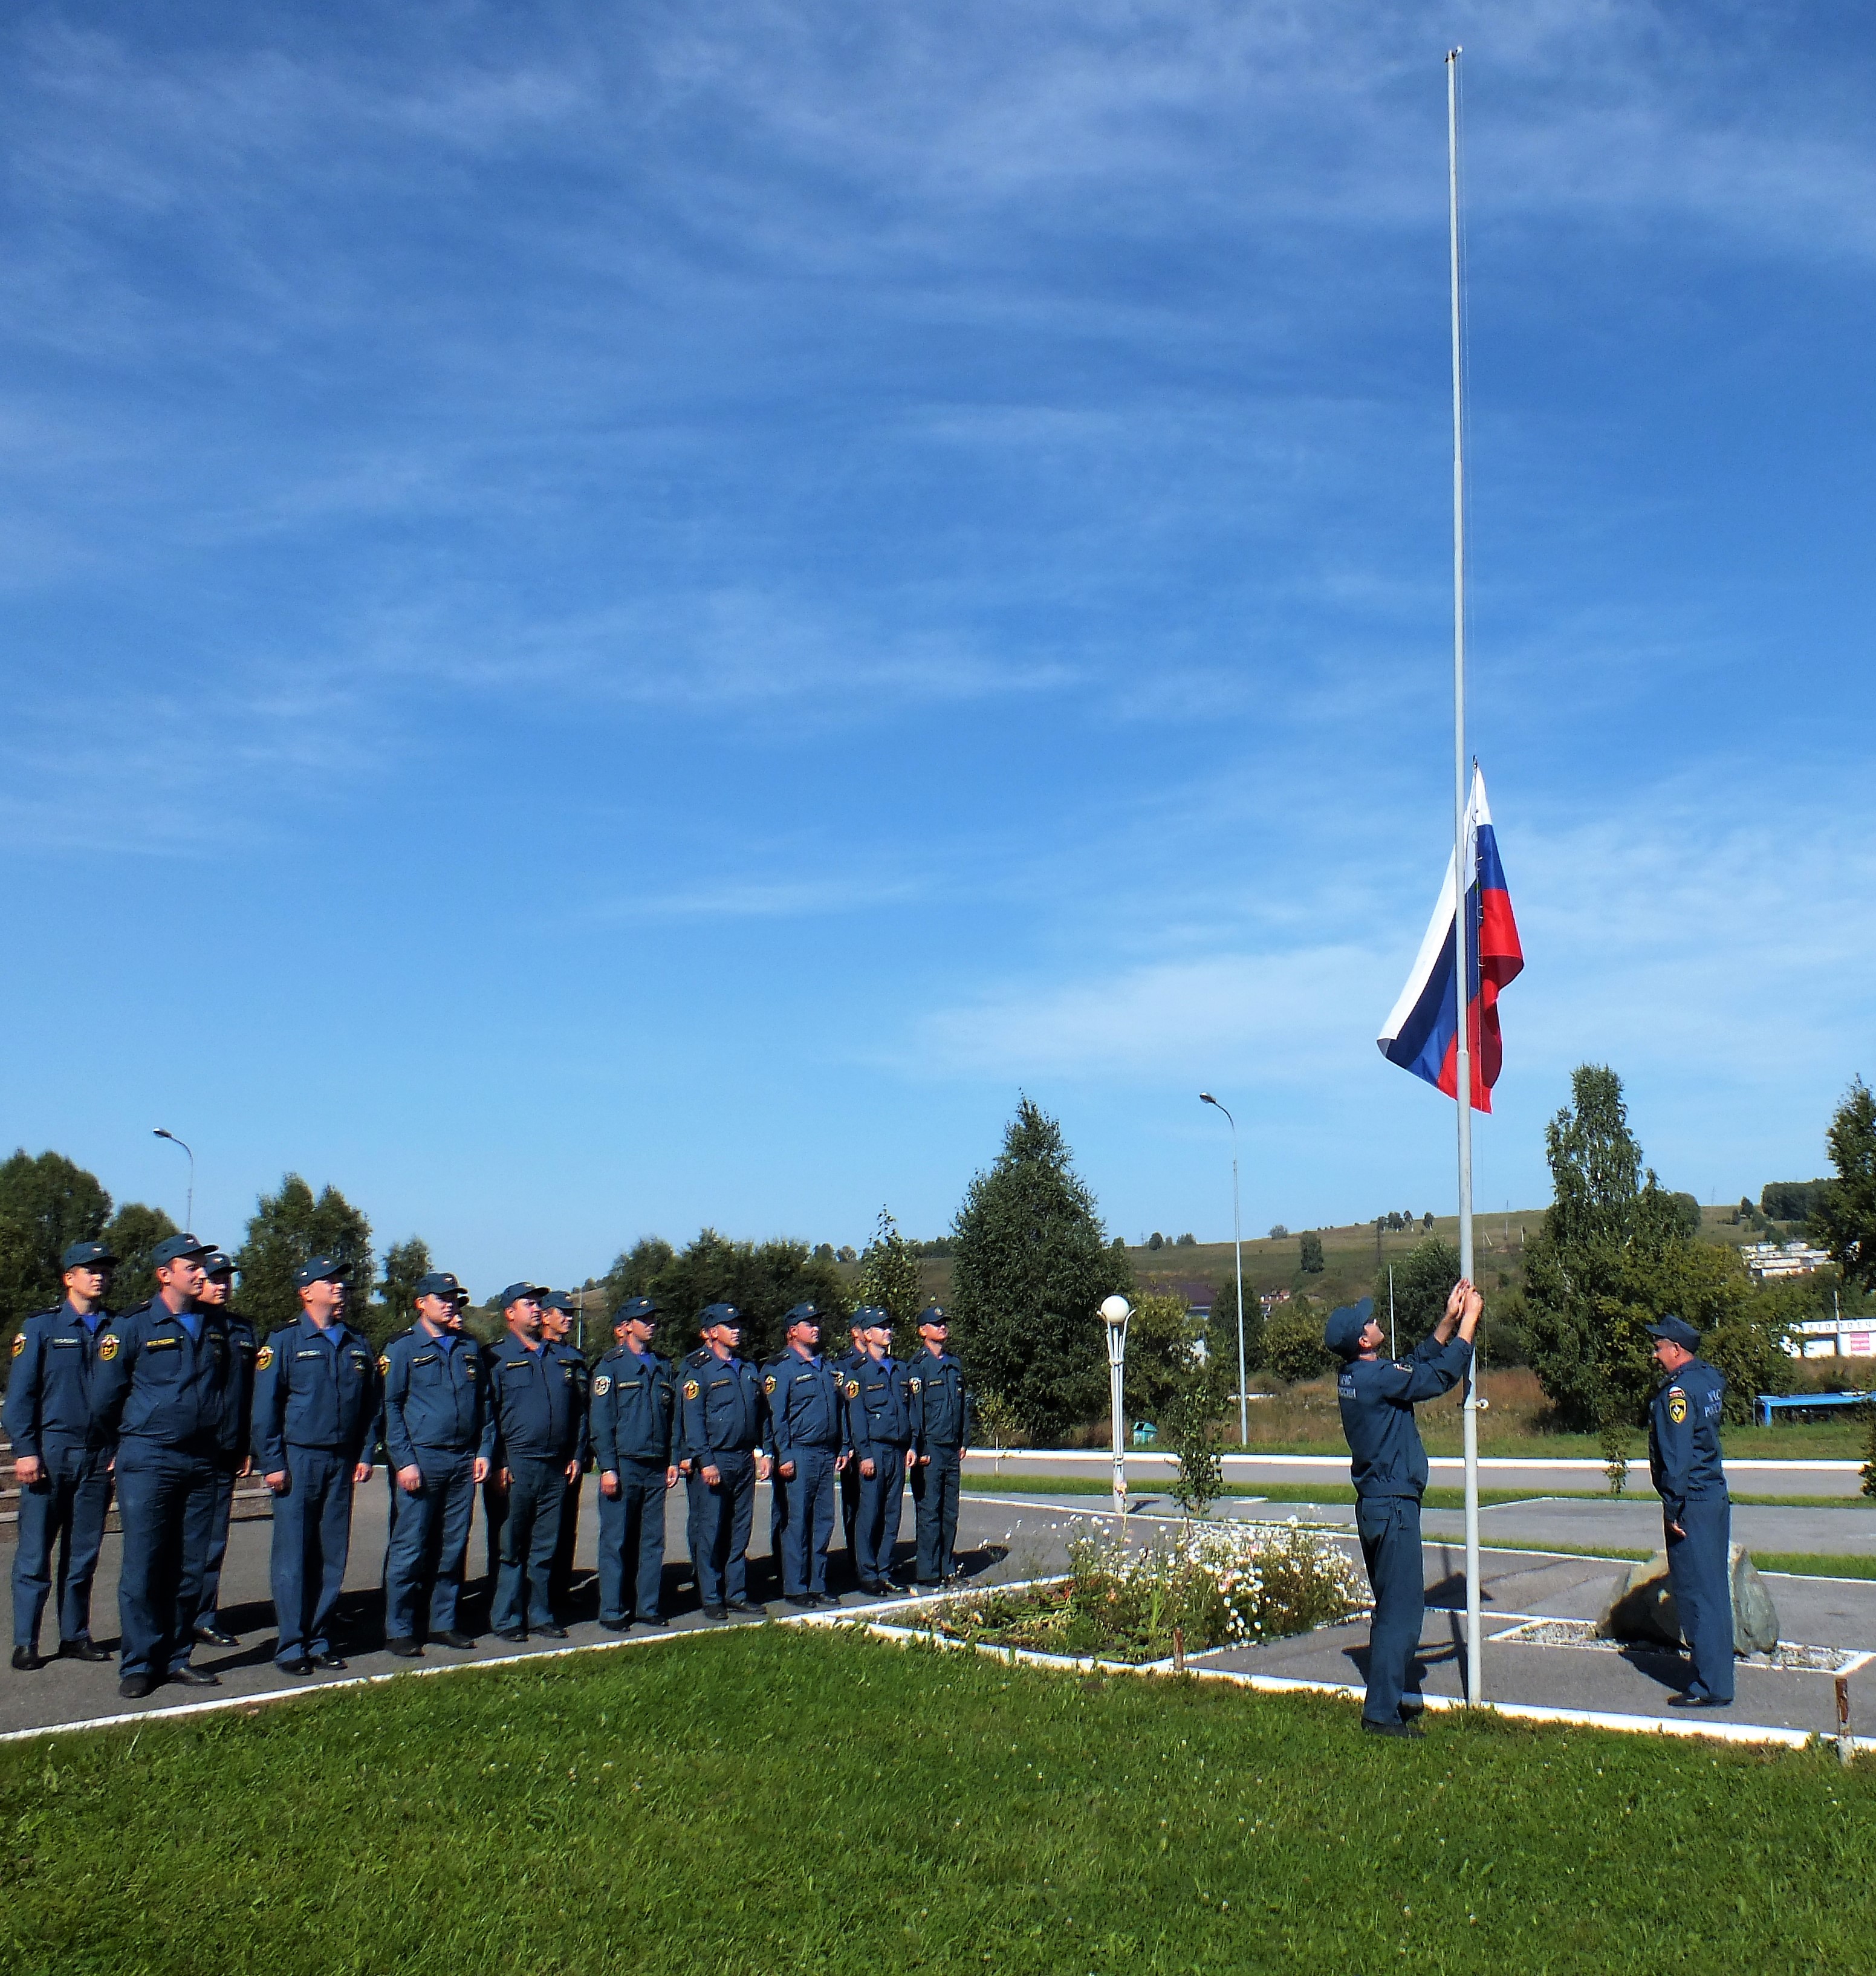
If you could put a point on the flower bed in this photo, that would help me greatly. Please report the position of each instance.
(1220, 1585)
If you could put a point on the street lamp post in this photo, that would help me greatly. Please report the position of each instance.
(188, 1212)
(1237, 1244)
(1114, 1312)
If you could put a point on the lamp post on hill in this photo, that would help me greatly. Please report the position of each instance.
(1237, 1244)
(1114, 1312)
(188, 1212)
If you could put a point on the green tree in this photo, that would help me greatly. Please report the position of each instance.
(1844, 1220)
(1031, 1269)
(47, 1203)
(763, 1280)
(889, 1277)
(1162, 1354)
(1293, 1346)
(1423, 1281)
(132, 1234)
(635, 1269)
(406, 1265)
(288, 1229)
(1311, 1262)
(1191, 1438)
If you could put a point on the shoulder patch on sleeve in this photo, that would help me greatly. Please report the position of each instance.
(691, 1389)
(602, 1385)
(107, 1347)
(1676, 1405)
(19, 1343)
(384, 1361)
(769, 1384)
(264, 1359)
(852, 1389)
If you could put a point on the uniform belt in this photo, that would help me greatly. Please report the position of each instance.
(1388, 1492)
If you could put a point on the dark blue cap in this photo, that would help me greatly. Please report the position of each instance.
(1342, 1334)
(635, 1309)
(1677, 1331)
(319, 1269)
(557, 1300)
(719, 1313)
(174, 1248)
(86, 1256)
(802, 1313)
(515, 1293)
(933, 1313)
(216, 1264)
(869, 1315)
(438, 1283)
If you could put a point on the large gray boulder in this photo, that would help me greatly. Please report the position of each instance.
(1641, 1608)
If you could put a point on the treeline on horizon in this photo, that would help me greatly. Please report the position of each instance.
(1031, 1262)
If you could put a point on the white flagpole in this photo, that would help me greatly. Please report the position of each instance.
(1462, 878)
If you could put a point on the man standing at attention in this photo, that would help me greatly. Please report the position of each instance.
(722, 1430)
(1697, 1512)
(538, 1427)
(941, 1426)
(807, 1432)
(235, 1458)
(62, 1454)
(633, 1423)
(557, 1314)
(316, 1394)
(1377, 1397)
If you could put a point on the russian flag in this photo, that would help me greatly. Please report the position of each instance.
(1422, 1034)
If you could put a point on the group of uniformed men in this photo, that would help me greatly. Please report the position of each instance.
(170, 1404)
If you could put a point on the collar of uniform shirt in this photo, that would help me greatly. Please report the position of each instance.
(333, 1333)
(90, 1319)
(191, 1322)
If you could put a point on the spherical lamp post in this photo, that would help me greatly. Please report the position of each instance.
(1114, 1312)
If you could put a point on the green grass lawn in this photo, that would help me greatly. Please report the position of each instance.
(822, 1803)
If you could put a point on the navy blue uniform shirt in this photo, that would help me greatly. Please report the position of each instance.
(51, 1390)
(879, 1410)
(1377, 1397)
(806, 1406)
(536, 1400)
(722, 1406)
(941, 1407)
(237, 1416)
(166, 1379)
(434, 1397)
(569, 1354)
(314, 1388)
(1683, 1437)
(634, 1410)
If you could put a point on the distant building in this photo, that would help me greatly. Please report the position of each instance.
(1834, 1338)
(1765, 1260)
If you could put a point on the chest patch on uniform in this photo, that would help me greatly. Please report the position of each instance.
(263, 1359)
(1676, 1405)
(315, 1353)
(691, 1389)
(161, 1343)
(66, 1344)
(107, 1346)
(602, 1386)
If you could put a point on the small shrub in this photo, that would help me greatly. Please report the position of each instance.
(1293, 1346)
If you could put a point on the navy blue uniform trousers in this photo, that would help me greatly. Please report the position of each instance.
(166, 1499)
(875, 1528)
(934, 1500)
(631, 1543)
(722, 1520)
(63, 1511)
(529, 1529)
(804, 1520)
(423, 1561)
(560, 1572)
(1696, 1566)
(312, 1540)
(1389, 1528)
(218, 1544)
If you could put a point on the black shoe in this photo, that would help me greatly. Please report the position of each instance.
(716, 1611)
(83, 1650)
(551, 1632)
(194, 1677)
(452, 1638)
(615, 1625)
(1691, 1700)
(514, 1636)
(213, 1636)
(1409, 1732)
(134, 1687)
(404, 1646)
(876, 1588)
(748, 1607)
(302, 1665)
(802, 1601)
(330, 1662)
(27, 1660)
(656, 1619)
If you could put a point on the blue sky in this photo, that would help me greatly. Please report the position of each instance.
(621, 617)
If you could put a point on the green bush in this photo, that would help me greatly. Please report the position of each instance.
(1293, 1346)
